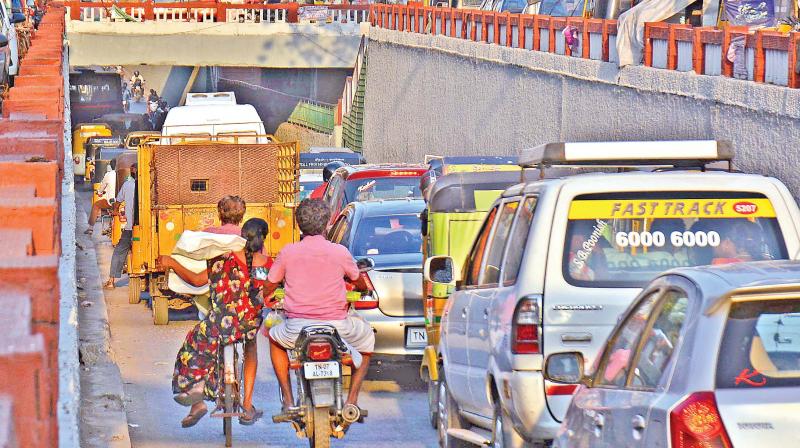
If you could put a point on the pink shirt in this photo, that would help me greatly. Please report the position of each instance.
(225, 229)
(313, 272)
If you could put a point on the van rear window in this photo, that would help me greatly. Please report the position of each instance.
(761, 345)
(624, 240)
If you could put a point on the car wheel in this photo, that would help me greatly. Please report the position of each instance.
(448, 418)
(503, 432)
(433, 402)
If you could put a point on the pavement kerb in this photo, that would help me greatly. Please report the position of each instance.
(104, 422)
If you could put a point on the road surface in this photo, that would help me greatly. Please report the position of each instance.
(146, 354)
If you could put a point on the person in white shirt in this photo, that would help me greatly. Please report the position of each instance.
(127, 196)
(108, 187)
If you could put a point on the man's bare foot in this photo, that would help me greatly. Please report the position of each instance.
(109, 284)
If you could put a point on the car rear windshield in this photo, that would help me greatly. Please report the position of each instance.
(306, 188)
(359, 190)
(761, 345)
(624, 240)
(385, 235)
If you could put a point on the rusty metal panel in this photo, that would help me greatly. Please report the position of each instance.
(202, 173)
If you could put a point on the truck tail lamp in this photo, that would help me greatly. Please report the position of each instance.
(525, 331)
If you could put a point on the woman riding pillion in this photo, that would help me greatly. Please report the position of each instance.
(237, 299)
(313, 272)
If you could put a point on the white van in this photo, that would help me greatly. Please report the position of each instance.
(213, 115)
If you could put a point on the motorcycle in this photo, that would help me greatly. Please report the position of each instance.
(321, 361)
(138, 92)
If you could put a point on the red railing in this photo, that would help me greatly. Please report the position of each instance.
(209, 11)
(772, 57)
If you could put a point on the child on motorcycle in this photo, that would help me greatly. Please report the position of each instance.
(313, 272)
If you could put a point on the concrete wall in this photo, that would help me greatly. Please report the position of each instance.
(438, 95)
(283, 45)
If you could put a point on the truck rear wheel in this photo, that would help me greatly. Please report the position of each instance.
(135, 290)
(160, 310)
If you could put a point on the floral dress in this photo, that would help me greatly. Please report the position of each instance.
(235, 314)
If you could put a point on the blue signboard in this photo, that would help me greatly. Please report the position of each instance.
(752, 13)
(310, 161)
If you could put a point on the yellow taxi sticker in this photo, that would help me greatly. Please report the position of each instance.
(671, 208)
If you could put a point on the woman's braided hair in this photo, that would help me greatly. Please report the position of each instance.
(255, 232)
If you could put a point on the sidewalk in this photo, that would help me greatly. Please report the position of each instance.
(103, 419)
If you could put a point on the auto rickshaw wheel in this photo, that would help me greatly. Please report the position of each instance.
(135, 290)
(160, 310)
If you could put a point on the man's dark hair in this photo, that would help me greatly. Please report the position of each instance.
(313, 216)
(231, 210)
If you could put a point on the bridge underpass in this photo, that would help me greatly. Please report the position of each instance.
(411, 92)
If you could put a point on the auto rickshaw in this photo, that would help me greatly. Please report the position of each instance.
(133, 139)
(172, 200)
(457, 206)
(82, 133)
(92, 149)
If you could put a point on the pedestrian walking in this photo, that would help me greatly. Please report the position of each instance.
(126, 196)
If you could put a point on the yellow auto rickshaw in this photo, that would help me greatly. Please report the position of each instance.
(135, 138)
(179, 184)
(82, 132)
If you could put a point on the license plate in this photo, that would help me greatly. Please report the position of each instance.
(319, 370)
(416, 337)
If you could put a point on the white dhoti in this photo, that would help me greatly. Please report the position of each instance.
(354, 331)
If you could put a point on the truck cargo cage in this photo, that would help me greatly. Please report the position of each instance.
(682, 154)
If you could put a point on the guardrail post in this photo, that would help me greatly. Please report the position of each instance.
(509, 29)
(521, 30)
(648, 44)
(222, 12)
(727, 66)
(149, 10)
(698, 52)
(291, 12)
(759, 66)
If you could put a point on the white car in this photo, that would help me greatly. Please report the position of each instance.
(558, 261)
(705, 356)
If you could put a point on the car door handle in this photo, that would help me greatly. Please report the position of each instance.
(485, 313)
(599, 420)
(638, 422)
(576, 337)
(464, 312)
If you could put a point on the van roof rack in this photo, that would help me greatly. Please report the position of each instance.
(676, 153)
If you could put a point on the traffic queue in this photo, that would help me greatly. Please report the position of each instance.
(586, 294)
(577, 294)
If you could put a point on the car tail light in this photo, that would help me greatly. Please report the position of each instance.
(368, 300)
(525, 328)
(561, 389)
(696, 423)
(319, 351)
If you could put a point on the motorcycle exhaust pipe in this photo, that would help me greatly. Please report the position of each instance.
(351, 413)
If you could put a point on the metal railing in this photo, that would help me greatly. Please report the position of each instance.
(769, 56)
(208, 11)
(314, 115)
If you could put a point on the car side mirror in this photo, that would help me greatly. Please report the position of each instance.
(3, 41)
(439, 269)
(565, 368)
(17, 17)
(533, 2)
(365, 264)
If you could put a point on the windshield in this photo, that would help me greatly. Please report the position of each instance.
(359, 190)
(388, 235)
(625, 241)
(761, 345)
(306, 188)
(561, 8)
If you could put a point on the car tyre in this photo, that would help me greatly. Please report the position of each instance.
(503, 432)
(448, 418)
(433, 402)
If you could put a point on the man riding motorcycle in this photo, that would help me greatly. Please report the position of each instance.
(313, 272)
(137, 85)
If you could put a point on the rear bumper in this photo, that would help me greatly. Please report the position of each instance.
(390, 333)
(523, 398)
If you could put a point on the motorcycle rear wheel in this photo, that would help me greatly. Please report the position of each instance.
(322, 429)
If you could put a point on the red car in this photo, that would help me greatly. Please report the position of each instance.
(366, 182)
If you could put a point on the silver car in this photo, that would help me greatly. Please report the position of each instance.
(706, 356)
(388, 232)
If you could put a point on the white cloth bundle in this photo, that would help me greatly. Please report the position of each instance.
(193, 249)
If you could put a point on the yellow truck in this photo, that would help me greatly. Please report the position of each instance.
(180, 182)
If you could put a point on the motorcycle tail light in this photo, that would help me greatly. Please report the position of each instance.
(295, 365)
(696, 423)
(319, 351)
(347, 360)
